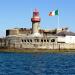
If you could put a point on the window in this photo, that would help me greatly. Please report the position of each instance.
(27, 40)
(22, 40)
(53, 40)
(36, 40)
(41, 40)
(30, 40)
(47, 40)
(44, 40)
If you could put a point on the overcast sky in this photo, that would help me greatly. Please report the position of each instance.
(18, 13)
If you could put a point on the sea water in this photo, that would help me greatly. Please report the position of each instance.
(37, 64)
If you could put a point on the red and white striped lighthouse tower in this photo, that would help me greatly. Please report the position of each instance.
(35, 21)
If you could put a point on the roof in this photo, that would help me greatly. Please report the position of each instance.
(64, 33)
(36, 35)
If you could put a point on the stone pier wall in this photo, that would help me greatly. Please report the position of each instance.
(45, 44)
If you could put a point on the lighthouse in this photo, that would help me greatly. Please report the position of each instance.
(35, 22)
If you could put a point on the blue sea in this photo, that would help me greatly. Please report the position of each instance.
(37, 64)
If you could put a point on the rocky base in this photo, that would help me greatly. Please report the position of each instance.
(34, 50)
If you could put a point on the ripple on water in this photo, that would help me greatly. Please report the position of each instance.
(36, 64)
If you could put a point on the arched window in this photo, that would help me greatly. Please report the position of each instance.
(22, 40)
(41, 40)
(30, 40)
(52, 40)
(36, 40)
(47, 40)
(27, 40)
(44, 40)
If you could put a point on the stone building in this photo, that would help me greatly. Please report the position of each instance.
(30, 38)
(38, 38)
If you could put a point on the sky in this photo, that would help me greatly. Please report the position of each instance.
(18, 13)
